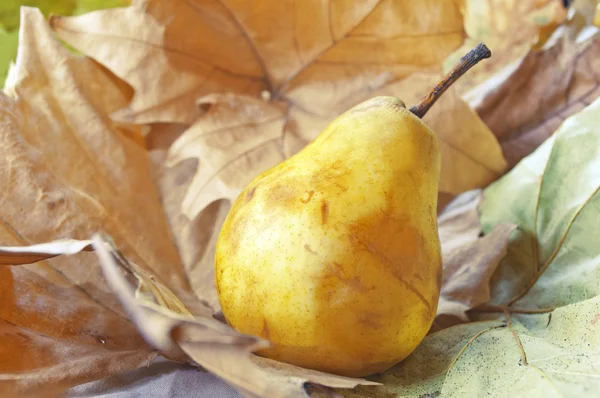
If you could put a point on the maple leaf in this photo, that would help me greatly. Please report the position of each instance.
(510, 28)
(527, 103)
(322, 61)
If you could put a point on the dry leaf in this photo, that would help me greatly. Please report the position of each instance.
(469, 260)
(458, 224)
(524, 105)
(67, 171)
(467, 273)
(310, 72)
(509, 28)
(169, 327)
(553, 259)
(293, 50)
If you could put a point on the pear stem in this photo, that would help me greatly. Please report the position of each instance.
(469, 60)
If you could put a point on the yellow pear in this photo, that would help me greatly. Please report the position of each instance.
(333, 255)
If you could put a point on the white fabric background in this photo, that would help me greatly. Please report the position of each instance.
(162, 379)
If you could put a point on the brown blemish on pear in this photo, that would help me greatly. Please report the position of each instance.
(308, 197)
(337, 271)
(324, 212)
(250, 194)
(308, 249)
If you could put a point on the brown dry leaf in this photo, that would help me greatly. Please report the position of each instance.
(468, 271)
(67, 171)
(526, 103)
(469, 260)
(169, 327)
(322, 61)
(458, 224)
(311, 54)
(509, 28)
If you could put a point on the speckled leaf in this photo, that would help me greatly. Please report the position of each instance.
(552, 195)
(538, 355)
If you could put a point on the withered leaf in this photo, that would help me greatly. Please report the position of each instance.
(468, 271)
(322, 61)
(294, 51)
(527, 101)
(469, 260)
(67, 171)
(510, 28)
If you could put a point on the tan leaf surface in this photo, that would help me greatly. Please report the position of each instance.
(67, 171)
(525, 105)
(510, 28)
(311, 72)
(308, 53)
(467, 273)
(458, 224)
(469, 258)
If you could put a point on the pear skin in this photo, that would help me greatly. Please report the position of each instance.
(333, 255)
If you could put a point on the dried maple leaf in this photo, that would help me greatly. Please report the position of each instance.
(469, 261)
(510, 28)
(294, 50)
(66, 171)
(311, 72)
(527, 102)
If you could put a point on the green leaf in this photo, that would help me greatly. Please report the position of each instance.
(9, 10)
(540, 337)
(552, 195)
(8, 51)
(559, 358)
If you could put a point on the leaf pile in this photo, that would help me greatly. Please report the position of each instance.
(117, 168)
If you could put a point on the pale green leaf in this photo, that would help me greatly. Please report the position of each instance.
(552, 195)
(8, 51)
(560, 358)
